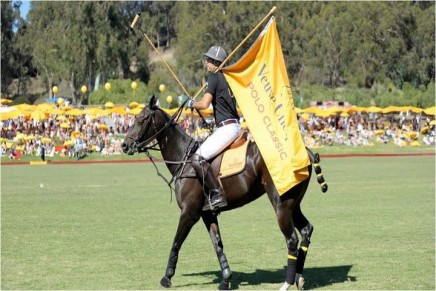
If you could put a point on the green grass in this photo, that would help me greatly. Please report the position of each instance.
(111, 227)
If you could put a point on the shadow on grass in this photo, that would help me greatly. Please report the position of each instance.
(315, 277)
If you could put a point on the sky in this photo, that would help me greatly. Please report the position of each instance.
(24, 8)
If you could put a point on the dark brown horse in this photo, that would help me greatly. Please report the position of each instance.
(153, 124)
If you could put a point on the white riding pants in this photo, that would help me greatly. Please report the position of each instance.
(219, 140)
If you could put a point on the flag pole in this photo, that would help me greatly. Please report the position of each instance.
(238, 47)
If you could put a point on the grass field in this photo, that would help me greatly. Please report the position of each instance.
(378, 148)
(111, 226)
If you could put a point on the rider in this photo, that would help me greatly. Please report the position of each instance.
(227, 130)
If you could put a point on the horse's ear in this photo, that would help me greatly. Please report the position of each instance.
(153, 102)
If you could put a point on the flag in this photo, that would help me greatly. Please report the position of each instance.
(260, 83)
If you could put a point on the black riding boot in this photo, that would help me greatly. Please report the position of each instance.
(217, 197)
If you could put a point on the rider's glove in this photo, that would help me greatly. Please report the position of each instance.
(190, 103)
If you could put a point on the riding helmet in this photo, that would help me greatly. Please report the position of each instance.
(216, 53)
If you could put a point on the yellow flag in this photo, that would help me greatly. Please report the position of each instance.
(260, 83)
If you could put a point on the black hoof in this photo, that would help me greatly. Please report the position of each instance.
(165, 282)
(224, 286)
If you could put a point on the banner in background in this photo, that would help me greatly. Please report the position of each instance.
(260, 83)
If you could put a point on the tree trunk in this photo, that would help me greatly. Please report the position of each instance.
(73, 87)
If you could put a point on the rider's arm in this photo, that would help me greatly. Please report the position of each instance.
(204, 102)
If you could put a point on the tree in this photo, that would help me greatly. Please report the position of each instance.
(9, 16)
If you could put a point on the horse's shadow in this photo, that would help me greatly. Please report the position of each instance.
(314, 277)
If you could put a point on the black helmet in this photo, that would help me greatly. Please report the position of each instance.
(216, 53)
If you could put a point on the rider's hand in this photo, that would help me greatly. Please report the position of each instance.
(190, 103)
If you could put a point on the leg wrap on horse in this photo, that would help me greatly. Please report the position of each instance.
(292, 266)
(225, 268)
(292, 258)
(172, 263)
(306, 233)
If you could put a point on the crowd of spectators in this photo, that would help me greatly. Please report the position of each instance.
(104, 134)
(366, 129)
(82, 136)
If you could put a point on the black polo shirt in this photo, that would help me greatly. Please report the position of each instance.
(223, 102)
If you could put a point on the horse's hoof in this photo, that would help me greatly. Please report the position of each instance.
(285, 286)
(165, 282)
(224, 286)
(300, 283)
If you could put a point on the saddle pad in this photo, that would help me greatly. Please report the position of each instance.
(233, 161)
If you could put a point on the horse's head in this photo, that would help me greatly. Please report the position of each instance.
(143, 130)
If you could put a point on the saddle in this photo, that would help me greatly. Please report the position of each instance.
(232, 160)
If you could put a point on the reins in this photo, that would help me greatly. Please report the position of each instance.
(142, 147)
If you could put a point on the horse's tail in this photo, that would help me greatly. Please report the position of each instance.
(315, 160)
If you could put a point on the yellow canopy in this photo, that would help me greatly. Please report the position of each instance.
(117, 110)
(5, 101)
(430, 110)
(335, 109)
(64, 125)
(109, 104)
(374, 109)
(24, 107)
(344, 114)
(135, 111)
(391, 109)
(75, 112)
(37, 115)
(312, 109)
(56, 111)
(355, 109)
(133, 104)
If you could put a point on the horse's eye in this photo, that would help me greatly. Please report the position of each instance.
(142, 118)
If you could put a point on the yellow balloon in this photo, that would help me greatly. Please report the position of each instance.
(170, 99)
(134, 85)
(162, 87)
(83, 89)
(60, 101)
(107, 86)
(55, 89)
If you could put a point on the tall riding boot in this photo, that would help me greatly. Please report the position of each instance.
(217, 198)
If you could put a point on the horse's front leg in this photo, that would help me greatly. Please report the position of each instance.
(211, 222)
(188, 217)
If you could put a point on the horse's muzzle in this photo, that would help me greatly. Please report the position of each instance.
(128, 150)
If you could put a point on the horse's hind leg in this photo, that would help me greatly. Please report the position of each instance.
(186, 221)
(211, 222)
(284, 218)
(306, 229)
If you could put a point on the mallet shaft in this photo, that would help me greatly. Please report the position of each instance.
(135, 20)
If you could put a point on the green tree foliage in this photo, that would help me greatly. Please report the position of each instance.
(368, 49)
(10, 55)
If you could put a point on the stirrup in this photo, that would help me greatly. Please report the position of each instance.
(215, 202)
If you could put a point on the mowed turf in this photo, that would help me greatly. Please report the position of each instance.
(111, 226)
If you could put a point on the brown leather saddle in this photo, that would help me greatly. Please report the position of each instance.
(232, 160)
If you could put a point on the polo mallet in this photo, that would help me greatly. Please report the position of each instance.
(135, 20)
(241, 44)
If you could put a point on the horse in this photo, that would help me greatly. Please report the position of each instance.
(153, 125)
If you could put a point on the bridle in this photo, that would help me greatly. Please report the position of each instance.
(142, 146)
